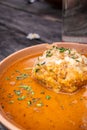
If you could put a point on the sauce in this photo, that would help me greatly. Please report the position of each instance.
(34, 107)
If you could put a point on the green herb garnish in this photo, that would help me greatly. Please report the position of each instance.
(22, 76)
(38, 64)
(26, 87)
(39, 104)
(17, 92)
(62, 49)
(77, 60)
(69, 51)
(73, 57)
(29, 103)
(48, 97)
(41, 64)
(21, 98)
(36, 70)
(48, 54)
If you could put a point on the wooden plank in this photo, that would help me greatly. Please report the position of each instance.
(26, 23)
(40, 8)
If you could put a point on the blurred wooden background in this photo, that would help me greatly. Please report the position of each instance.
(75, 21)
(18, 18)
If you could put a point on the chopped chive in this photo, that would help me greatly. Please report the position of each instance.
(21, 98)
(39, 104)
(77, 60)
(48, 54)
(62, 49)
(29, 103)
(22, 76)
(38, 64)
(48, 97)
(26, 87)
(41, 64)
(69, 51)
(36, 70)
(17, 92)
(73, 57)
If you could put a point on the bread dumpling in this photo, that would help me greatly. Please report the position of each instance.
(61, 69)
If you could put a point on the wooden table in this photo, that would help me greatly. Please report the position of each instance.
(17, 19)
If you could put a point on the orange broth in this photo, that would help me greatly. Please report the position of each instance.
(34, 107)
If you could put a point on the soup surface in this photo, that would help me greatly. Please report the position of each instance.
(34, 107)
